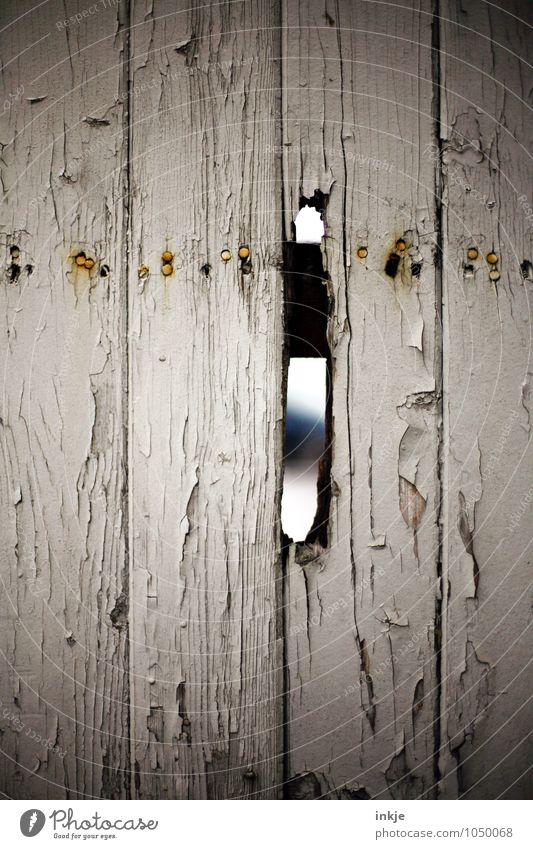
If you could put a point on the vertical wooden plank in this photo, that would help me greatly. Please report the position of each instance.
(206, 412)
(363, 689)
(486, 152)
(64, 686)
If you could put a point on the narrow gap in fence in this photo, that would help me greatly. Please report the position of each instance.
(307, 454)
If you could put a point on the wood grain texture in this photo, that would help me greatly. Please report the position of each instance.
(206, 409)
(363, 691)
(64, 692)
(486, 155)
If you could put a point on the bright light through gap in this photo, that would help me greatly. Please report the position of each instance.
(309, 226)
(304, 443)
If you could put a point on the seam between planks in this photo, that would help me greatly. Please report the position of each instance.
(440, 602)
(125, 13)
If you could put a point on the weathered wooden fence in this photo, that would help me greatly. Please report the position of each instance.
(158, 640)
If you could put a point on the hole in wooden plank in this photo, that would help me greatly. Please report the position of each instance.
(309, 225)
(416, 268)
(307, 453)
(13, 272)
(14, 269)
(527, 270)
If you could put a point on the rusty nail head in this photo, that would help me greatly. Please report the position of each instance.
(401, 245)
(225, 255)
(492, 258)
(167, 256)
(89, 263)
(80, 259)
(167, 269)
(494, 274)
(244, 252)
(472, 253)
(362, 252)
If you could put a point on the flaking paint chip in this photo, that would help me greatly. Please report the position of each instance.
(379, 541)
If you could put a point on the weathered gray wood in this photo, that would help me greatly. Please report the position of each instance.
(62, 551)
(205, 400)
(487, 142)
(416, 128)
(363, 691)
